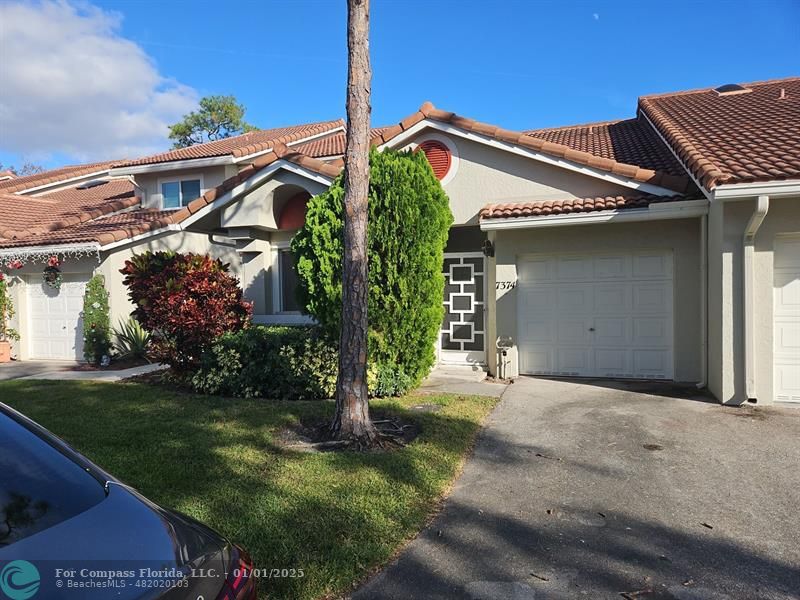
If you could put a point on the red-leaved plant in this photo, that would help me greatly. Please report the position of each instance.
(185, 301)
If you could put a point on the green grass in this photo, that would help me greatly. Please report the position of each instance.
(335, 515)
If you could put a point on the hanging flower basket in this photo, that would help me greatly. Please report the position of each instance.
(52, 277)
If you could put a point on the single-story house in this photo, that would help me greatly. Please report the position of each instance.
(664, 246)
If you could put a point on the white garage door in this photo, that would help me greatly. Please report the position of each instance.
(598, 315)
(787, 320)
(56, 328)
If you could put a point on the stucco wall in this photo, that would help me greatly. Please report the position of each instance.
(485, 175)
(727, 222)
(681, 236)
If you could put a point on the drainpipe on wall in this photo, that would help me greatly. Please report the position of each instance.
(748, 250)
(703, 302)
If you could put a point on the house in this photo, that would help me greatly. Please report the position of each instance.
(664, 246)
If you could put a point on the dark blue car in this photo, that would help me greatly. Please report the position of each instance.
(70, 530)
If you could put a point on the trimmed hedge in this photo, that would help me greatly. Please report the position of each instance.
(408, 223)
(280, 363)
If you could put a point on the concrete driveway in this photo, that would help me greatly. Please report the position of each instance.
(601, 489)
(28, 368)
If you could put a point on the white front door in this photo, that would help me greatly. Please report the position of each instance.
(786, 316)
(596, 315)
(56, 327)
(462, 337)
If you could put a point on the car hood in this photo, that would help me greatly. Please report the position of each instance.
(123, 533)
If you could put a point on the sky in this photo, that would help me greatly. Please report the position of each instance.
(94, 80)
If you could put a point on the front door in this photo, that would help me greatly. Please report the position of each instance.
(462, 338)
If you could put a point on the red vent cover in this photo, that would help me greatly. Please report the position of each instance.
(293, 215)
(438, 156)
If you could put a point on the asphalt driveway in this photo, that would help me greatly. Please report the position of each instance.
(598, 489)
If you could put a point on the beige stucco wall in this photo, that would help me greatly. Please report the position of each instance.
(681, 236)
(487, 175)
(727, 222)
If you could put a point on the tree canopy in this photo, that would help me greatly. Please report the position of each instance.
(217, 118)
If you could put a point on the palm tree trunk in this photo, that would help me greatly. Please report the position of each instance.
(351, 422)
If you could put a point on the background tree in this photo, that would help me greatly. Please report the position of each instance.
(408, 224)
(27, 168)
(218, 117)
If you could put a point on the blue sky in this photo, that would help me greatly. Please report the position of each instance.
(519, 64)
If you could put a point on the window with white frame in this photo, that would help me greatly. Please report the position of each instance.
(179, 192)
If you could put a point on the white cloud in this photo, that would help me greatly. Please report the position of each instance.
(596, 16)
(70, 85)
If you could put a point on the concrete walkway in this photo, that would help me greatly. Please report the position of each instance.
(596, 489)
(461, 380)
(62, 370)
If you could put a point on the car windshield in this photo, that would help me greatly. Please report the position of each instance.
(39, 486)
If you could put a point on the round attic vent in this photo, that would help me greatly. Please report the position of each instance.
(438, 156)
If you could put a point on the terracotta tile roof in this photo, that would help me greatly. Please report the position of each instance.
(18, 184)
(83, 215)
(630, 141)
(331, 145)
(732, 138)
(8, 173)
(543, 208)
(678, 183)
(24, 216)
(240, 145)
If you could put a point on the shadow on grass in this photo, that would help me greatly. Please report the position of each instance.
(333, 515)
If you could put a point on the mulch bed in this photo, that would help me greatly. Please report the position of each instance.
(116, 365)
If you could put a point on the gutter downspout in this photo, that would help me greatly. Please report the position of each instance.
(703, 302)
(748, 250)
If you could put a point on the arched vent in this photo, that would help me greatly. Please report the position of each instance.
(438, 156)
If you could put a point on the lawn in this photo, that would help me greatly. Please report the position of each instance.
(337, 515)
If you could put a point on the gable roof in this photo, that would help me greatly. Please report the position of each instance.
(678, 183)
(92, 215)
(629, 141)
(739, 137)
(239, 145)
(332, 145)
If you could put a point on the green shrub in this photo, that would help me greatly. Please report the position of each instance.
(409, 219)
(131, 339)
(96, 324)
(281, 363)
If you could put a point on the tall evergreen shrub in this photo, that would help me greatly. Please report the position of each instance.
(96, 324)
(409, 219)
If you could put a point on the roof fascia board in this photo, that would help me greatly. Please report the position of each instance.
(58, 248)
(682, 209)
(411, 132)
(226, 198)
(173, 165)
(56, 185)
(699, 185)
(742, 191)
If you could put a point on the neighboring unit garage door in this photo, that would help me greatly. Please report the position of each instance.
(596, 315)
(56, 328)
(787, 320)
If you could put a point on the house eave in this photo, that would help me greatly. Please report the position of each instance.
(773, 189)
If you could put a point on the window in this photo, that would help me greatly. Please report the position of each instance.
(288, 276)
(175, 194)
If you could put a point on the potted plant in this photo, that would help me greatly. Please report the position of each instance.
(6, 312)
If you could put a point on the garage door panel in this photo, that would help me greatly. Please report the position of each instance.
(786, 320)
(574, 267)
(612, 331)
(613, 362)
(572, 361)
(652, 298)
(611, 267)
(612, 315)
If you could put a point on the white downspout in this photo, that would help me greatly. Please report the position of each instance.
(748, 249)
(703, 302)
